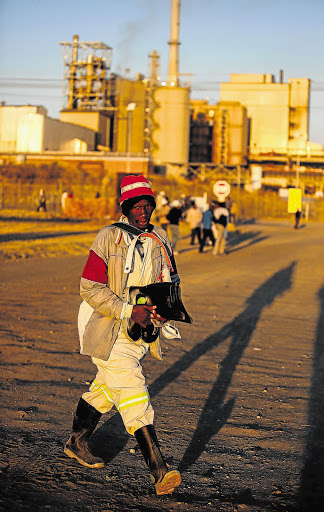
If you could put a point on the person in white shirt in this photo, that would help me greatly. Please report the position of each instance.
(194, 218)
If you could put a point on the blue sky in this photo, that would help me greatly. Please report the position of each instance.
(217, 38)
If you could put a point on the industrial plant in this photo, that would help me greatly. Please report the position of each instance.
(257, 134)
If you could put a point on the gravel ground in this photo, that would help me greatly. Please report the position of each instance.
(238, 400)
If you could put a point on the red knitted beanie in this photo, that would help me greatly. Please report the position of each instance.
(134, 186)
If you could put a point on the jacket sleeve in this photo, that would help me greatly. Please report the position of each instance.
(93, 286)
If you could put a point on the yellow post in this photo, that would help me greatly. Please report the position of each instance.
(294, 200)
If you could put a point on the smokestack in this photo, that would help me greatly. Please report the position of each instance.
(281, 76)
(75, 48)
(173, 78)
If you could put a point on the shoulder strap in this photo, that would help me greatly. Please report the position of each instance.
(128, 228)
(138, 233)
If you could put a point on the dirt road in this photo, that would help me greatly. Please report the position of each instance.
(238, 400)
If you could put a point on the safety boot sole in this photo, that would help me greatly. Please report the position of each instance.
(170, 480)
(70, 453)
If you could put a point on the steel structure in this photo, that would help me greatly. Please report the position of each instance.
(86, 67)
(152, 82)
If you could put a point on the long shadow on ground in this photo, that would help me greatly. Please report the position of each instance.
(234, 239)
(215, 411)
(311, 492)
(35, 236)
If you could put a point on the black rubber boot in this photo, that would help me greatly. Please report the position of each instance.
(85, 421)
(165, 480)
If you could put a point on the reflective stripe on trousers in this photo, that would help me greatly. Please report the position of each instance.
(120, 382)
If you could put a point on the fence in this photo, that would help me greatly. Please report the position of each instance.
(93, 199)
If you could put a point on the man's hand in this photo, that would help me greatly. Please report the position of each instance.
(144, 315)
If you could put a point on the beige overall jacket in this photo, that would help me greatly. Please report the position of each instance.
(107, 300)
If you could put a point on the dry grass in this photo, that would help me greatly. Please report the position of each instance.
(58, 246)
(25, 234)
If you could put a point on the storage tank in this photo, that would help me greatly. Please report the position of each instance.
(170, 127)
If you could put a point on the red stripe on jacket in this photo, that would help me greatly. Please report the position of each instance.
(95, 269)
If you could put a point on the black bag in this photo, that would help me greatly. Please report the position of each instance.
(167, 297)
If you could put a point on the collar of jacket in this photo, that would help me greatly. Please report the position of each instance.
(128, 237)
(130, 241)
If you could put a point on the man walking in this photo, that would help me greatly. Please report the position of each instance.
(174, 217)
(208, 219)
(221, 215)
(194, 217)
(118, 259)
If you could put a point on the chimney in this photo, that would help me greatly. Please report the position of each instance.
(173, 73)
(281, 76)
(75, 48)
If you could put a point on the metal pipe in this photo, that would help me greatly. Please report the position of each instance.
(72, 103)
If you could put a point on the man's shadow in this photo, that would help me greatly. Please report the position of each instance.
(247, 239)
(215, 411)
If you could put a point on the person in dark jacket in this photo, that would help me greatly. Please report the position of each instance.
(41, 201)
(208, 219)
(174, 217)
(297, 218)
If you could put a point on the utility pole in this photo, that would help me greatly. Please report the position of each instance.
(239, 190)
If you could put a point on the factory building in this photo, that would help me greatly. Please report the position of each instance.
(218, 133)
(171, 116)
(278, 113)
(256, 120)
(28, 129)
(170, 136)
(143, 115)
(201, 132)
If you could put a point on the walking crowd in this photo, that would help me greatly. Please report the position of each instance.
(207, 226)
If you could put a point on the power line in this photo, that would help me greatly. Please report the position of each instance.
(198, 85)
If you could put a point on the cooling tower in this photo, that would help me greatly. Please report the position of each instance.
(171, 121)
(171, 114)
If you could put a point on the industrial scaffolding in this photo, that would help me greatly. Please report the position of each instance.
(86, 68)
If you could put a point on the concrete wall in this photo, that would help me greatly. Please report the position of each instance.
(59, 136)
(99, 122)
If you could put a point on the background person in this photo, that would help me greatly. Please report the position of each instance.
(233, 213)
(297, 218)
(194, 218)
(221, 215)
(174, 217)
(159, 199)
(41, 201)
(162, 214)
(208, 219)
